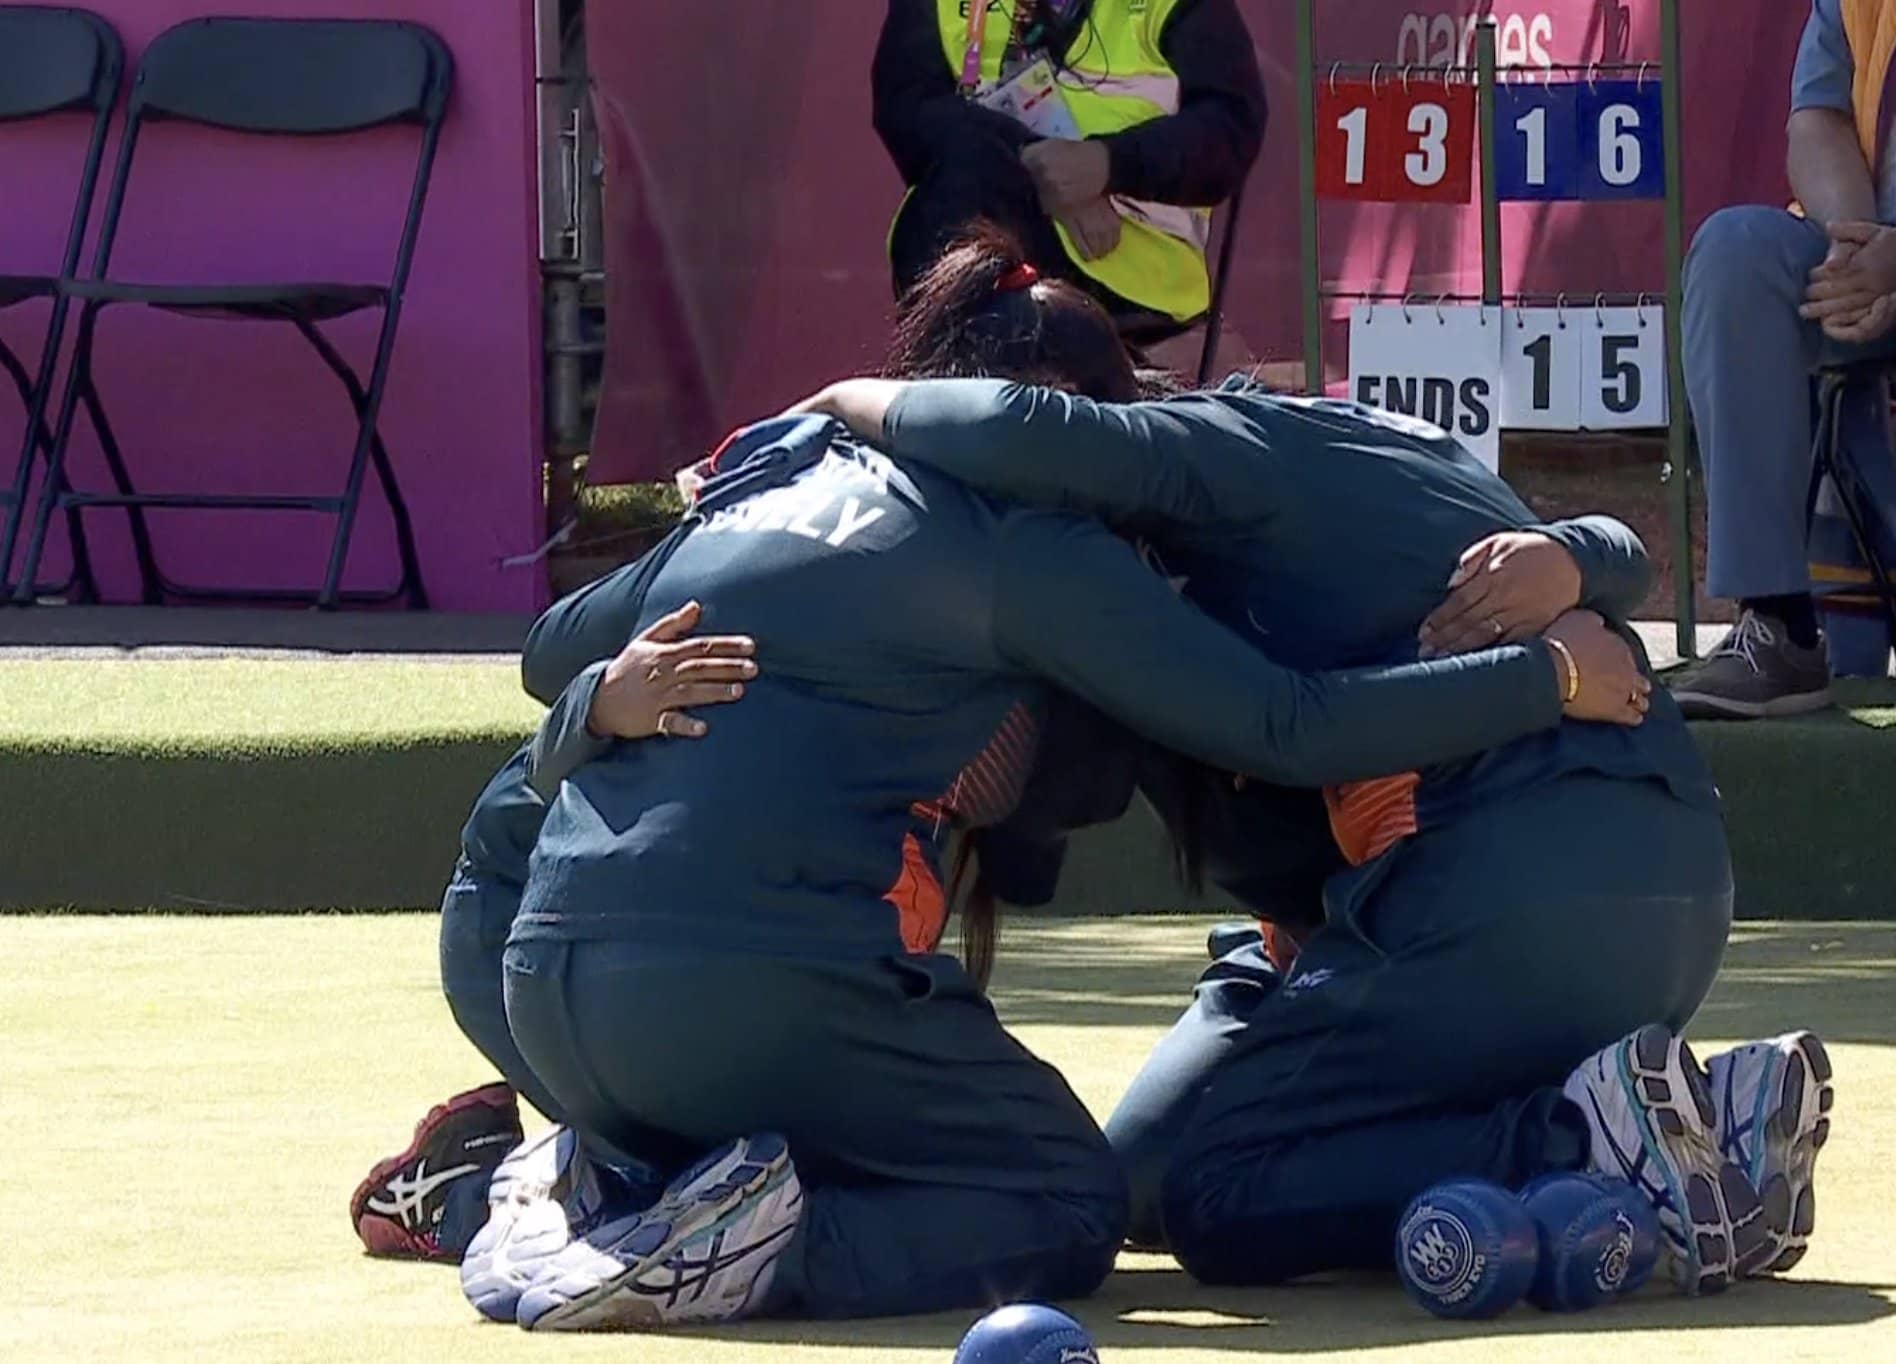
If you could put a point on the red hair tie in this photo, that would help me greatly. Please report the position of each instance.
(1022, 276)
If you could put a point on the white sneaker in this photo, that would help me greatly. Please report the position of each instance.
(1773, 1101)
(707, 1251)
(1650, 1117)
(543, 1194)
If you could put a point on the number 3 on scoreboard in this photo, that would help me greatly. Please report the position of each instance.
(1427, 165)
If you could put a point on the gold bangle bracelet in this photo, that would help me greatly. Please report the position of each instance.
(1573, 670)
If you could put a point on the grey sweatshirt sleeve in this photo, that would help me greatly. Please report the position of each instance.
(1615, 573)
(563, 742)
(1184, 462)
(1074, 606)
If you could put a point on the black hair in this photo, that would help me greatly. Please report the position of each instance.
(982, 311)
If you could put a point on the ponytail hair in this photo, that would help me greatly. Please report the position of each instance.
(978, 911)
(983, 311)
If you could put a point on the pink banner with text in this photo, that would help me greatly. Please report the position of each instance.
(748, 198)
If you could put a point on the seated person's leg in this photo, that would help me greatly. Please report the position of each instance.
(1493, 957)
(941, 1165)
(1748, 358)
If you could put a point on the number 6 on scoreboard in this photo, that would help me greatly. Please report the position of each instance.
(1622, 141)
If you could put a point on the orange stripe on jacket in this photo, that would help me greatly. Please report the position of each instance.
(918, 899)
(1368, 818)
(989, 787)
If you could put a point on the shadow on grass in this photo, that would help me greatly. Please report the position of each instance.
(1836, 978)
(1155, 1306)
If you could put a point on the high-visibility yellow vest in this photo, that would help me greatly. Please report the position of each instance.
(1870, 26)
(1113, 78)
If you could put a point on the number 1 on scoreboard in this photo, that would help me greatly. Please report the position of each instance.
(1532, 126)
(1353, 141)
(1355, 129)
(1537, 141)
(1540, 370)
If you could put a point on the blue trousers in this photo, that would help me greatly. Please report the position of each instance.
(943, 1166)
(1424, 1031)
(476, 915)
(1748, 358)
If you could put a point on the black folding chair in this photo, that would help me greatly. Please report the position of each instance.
(1142, 329)
(271, 78)
(52, 61)
(1852, 454)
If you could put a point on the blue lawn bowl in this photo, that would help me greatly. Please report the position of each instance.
(1466, 1249)
(1026, 1333)
(1642, 1261)
(1590, 1244)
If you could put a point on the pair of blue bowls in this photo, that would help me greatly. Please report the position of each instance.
(1567, 1242)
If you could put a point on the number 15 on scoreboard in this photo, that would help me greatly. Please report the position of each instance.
(1583, 369)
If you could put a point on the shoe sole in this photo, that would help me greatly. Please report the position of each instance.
(614, 1303)
(1699, 705)
(1794, 1115)
(526, 1235)
(1725, 1230)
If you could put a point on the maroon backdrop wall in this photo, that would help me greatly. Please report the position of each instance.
(748, 198)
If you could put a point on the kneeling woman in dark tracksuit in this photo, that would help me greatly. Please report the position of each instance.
(725, 961)
(1492, 921)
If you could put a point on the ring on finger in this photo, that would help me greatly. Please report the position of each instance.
(1494, 624)
(665, 718)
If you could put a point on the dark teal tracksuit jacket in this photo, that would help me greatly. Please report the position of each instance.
(1559, 890)
(908, 630)
(901, 620)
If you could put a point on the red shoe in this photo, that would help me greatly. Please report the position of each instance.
(428, 1202)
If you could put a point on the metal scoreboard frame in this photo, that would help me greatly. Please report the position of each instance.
(1486, 78)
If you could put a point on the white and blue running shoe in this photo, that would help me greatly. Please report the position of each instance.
(1773, 1100)
(706, 1251)
(546, 1192)
(1650, 1118)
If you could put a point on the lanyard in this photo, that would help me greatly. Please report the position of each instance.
(977, 43)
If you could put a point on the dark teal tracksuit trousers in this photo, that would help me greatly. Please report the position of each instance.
(476, 914)
(919, 1109)
(1424, 1030)
(942, 1164)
